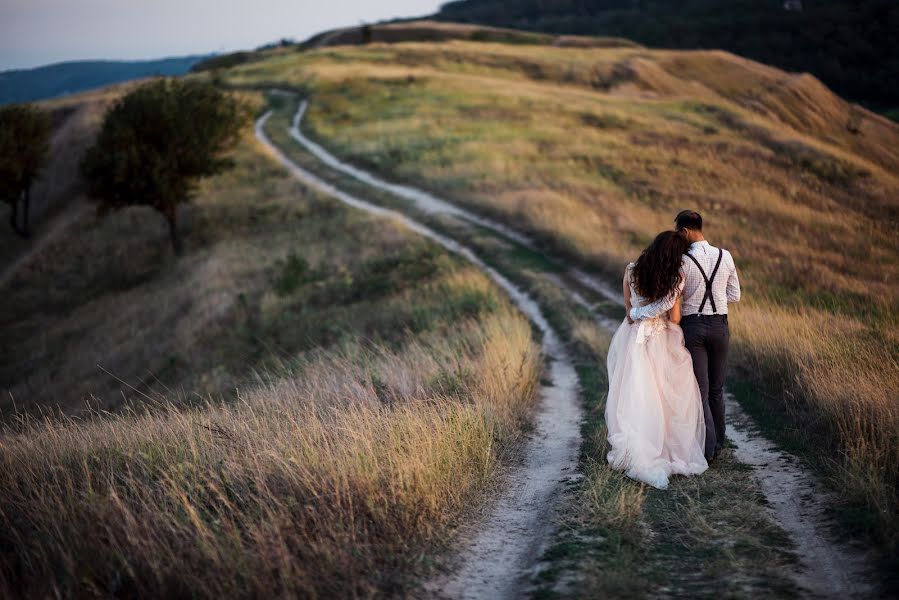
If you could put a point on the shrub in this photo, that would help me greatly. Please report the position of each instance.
(156, 143)
(24, 145)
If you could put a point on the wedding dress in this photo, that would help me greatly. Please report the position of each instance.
(654, 410)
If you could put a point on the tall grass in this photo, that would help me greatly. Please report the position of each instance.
(327, 484)
(840, 386)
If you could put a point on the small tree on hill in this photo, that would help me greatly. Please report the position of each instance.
(157, 142)
(24, 146)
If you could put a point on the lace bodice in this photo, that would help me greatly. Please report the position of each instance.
(647, 328)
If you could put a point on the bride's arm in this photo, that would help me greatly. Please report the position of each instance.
(674, 313)
(660, 306)
(627, 299)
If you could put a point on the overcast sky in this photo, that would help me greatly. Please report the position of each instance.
(38, 32)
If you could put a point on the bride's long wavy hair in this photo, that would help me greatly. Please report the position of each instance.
(657, 271)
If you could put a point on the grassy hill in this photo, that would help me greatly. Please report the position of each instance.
(25, 85)
(594, 150)
(310, 401)
(847, 44)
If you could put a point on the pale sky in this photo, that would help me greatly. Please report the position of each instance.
(38, 32)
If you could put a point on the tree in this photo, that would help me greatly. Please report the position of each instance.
(157, 142)
(24, 147)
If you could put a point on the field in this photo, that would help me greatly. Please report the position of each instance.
(301, 406)
(593, 151)
(603, 545)
(317, 402)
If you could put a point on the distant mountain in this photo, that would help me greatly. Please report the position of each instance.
(23, 85)
(848, 44)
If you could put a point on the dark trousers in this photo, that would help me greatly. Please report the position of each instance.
(707, 338)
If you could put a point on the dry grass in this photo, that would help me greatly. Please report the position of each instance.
(325, 484)
(839, 384)
(594, 150)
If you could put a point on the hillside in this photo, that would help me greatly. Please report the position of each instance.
(304, 367)
(25, 85)
(379, 369)
(846, 44)
(253, 249)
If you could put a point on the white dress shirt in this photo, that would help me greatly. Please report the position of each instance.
(725, 286)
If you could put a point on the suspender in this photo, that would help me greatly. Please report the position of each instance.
(708, 281)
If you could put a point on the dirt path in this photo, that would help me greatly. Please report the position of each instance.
(500, 553)
(799, 505)
(522, 520)
(796, 500)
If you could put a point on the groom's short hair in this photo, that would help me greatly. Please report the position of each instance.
(688, 219)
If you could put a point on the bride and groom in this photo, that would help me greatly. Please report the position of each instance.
(668, 359)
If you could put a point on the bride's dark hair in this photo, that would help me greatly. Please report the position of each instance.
(657, 271)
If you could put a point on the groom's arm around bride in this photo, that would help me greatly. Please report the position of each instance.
(706, 287)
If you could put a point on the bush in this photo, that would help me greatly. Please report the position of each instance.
(24, 145)
(156, 143)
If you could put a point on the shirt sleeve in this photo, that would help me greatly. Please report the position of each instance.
(733, 282)
(660, 306)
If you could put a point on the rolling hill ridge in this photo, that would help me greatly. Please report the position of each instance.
(846, 44)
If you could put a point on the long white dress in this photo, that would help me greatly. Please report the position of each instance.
(653, 411)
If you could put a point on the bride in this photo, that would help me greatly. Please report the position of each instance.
(654, 410)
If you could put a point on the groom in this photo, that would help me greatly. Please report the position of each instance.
(710, 282)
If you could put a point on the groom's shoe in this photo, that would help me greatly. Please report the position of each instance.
(717, 453)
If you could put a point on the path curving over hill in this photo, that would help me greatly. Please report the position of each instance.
(506, 543)
(797, 502)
